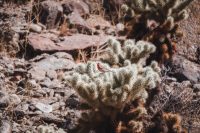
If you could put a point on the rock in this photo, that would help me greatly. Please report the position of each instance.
(4, 100)
(58, 105)
(120, 27)
(37, 73)
(53, 63)
(183, 69)
(50, 13)
(35, 28)
(31, 84)
(196, 87)
(44, 107)
(50, 118)
(63, 55)
(5, 127)
(51, 93)
(78, 6)
(198, 94)
(42, 42)
(72, 102)
(48, 65)
(79, 23)
(98, 22)
(46, 83)
(51, 84)
(51, 74)
(14, 99)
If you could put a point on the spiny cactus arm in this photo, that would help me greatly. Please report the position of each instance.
(169, 24)
(169, 5)
(80, 68)
(143, 49)
(155, 67)
(182, 5)
(152, 3)
(181, 15)
(160, 3)
(137, 4)
(127, 11)
(131, 51)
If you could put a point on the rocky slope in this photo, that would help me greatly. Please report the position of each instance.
(41, 42)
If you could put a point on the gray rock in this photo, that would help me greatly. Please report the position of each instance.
(79, 6)
(184, 69)
(44, 107)
(5, 127)
(46, 83)
(37, 73)
(196, 87)
(51, 62)
(35, 28)
(79, 23)
(51, 74)
(120, 27)
(50, 13)
(14, 99)
(4, 99)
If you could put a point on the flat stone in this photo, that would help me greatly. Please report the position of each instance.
(44, 107)
(43, 42)
(49, 64)
(37, 73)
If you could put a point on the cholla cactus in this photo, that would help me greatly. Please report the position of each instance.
(156, 21)
(131, 52)
(165, 12)
(110, 91)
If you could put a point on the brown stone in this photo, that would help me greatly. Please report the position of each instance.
(44, 42)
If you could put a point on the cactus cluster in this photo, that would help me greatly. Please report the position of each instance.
(118, 86)
(108, 92)
(164, 12)
(155, 21)
(131, 52)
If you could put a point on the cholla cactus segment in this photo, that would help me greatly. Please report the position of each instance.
(131, 51)
(114, 88)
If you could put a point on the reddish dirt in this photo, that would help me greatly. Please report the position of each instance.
(191, 29)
